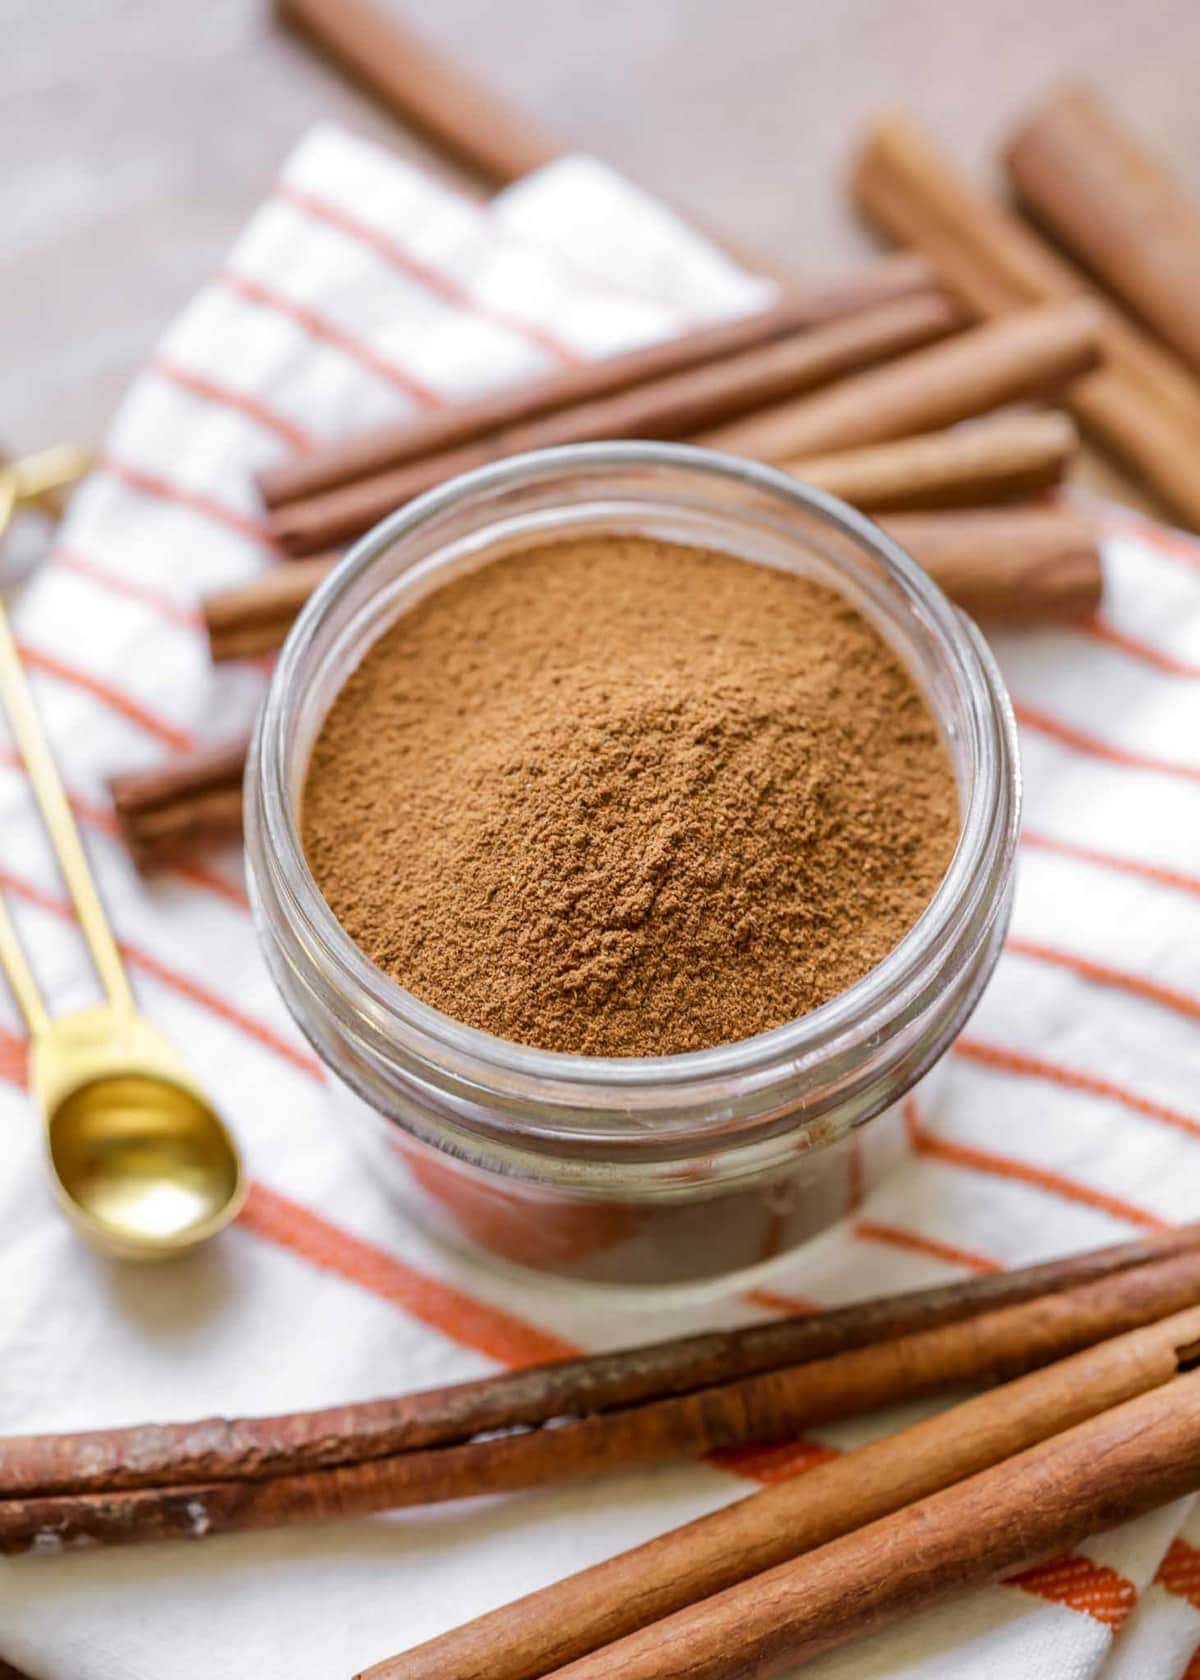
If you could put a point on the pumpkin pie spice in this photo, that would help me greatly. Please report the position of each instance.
(625, 797)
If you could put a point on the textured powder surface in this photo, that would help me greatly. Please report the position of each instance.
(625, 797)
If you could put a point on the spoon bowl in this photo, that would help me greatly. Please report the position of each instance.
(141, 1161)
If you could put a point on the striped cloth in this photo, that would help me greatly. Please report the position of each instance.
(1070, 1115)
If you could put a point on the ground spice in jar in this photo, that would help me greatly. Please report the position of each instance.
(625, 797)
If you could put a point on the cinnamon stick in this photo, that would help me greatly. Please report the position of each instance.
(1028, 354)
(1013, 565)
(537, 1634)
(247, 1447)
(993, 261)
(1008, 566)
(1116, 208)
(370, 452)
(192, 802)
(254, 618)
(1005, 567)
(1142, 405)
(768, 1407)
(966, 466)
(421, 86)
(215, 1448)
(1101, 1473)
(671, 407)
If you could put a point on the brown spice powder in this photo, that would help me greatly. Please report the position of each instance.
(624, 797)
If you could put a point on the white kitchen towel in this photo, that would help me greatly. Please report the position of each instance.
(1070, 1116)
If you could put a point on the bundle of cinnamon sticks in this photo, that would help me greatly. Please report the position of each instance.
(876, 387)
(803, 395)
(867, 396)
(1097, 1419)
(1143, 404)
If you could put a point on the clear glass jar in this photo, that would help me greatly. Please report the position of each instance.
(632, 1170)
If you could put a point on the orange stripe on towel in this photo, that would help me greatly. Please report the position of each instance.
(1080, 741)
(1019, 1062)
(898, 1236)
(1179, 1572)
(1158, 873)
(472, 1323)
(774, 1464)
(165, 490)
(1103, 974)
(1099, 629)
(774, 1301)
(441, 285)
(114, 698)
(213, 391)
(13, 1052)
(253, 291)
(1080, 1584)
(988, 1161)
(176, 612)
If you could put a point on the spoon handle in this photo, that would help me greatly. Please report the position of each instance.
(48, 790)
(24, 987)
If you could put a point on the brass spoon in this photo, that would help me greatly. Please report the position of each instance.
(140, 1160)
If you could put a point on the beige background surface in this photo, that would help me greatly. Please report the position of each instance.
(138, 134)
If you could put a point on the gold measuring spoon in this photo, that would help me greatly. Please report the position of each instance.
(140, 1160)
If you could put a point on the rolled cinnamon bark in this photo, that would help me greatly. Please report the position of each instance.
(767, 1408)
(192, 802)
(1028, 354)
(672, 407)
(1101, 1473)
(254, 618)
(1116, 208)
(1008, 566)
(420, 86)
(965, 466)
(1143, 405)
(991, 260)
(813, 305)
(1014, 565)
(536, 1635)
(209, 1449)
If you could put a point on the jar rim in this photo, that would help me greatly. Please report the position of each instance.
(986, 841)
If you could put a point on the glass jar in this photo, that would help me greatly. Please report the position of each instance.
(634, 1170)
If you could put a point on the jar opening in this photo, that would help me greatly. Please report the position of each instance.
(683, 494)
